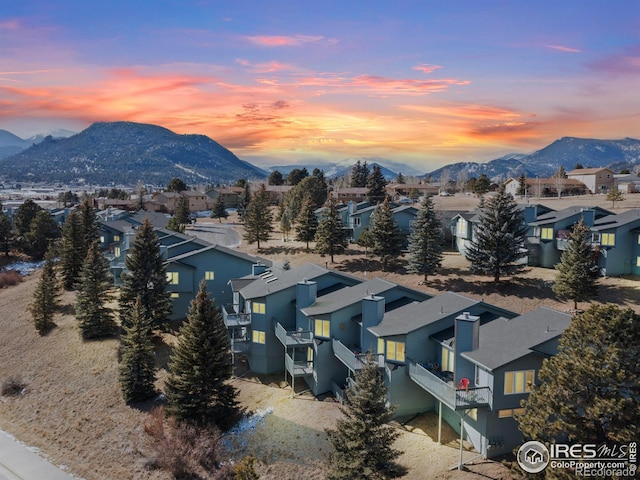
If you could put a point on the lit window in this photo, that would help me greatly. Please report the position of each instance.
(381, 346)
(258, 336)
(637, 261)
(322, 328)
(448, 360)
(258, 307)
(510, 412)
(175, 295)
(608, 239)
(116, 251)
(116, 238)
(473, 414)
(102, 239)
(309, 354)
(520, 381)
(173, 278)
(461, 228)
(209, 275)
(395, 351)
(638, 239)
(546, 233)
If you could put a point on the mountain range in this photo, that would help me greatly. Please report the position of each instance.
(566, 152)
(126, 153)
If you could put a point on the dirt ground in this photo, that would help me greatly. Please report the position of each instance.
(73, 410)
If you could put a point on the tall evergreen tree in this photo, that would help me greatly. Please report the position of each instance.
(482, 184)
(90, 223)
(307, 223)
(258, 218)
(366, 240)
(589, 392)
(219, 209)
(197, 389)
(331, 236)
(387, 242)
(137, 371)
(145, 276)
(425, 241)
(94, 292)
(45, 297)
(498, 239)
(362, 442)
(376, 184)
(6, 232)
(24, 215)
(522, 185)
(43, 231)
(72, 249)
(176, 185)
(244, 200)
(359, 175)
(181, 217)
(577, 275)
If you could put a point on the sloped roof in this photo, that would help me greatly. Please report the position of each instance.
(503, 341)
(556, 216)
(420, 314)
(344, 297)
(615, 221)
(221, 249)
(588, 171)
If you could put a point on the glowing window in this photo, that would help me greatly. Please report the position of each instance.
(395, 351)
(448, 360)
(116, 238)
(175, 295)
(546, 233)
(209, 275)
(258, 336)
(608, 239)
(258, 307)
(322, 328)
(173, 278)
(381, 346)
(520, 381)
(116, 251)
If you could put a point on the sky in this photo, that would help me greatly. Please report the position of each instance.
(426, 83)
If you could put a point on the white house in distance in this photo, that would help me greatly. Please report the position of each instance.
(597, 180)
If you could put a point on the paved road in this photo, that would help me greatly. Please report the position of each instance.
(17, 462)
(216, 233)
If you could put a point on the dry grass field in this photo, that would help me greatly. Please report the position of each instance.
(73, 411)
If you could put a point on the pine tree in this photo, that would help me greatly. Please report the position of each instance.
(145, 276)
(366, 240)
(219, 209)
(72, 249)
(307, 223)
(41, 235)
(362, 442)
(258, 218)
(6, 234)
(387, 242)
(331, 236)
(45, 297)
(200, 366)
(577, 273)
(90, 224)
(498, 238)
(137, 371)
(589, 392)
(94, 292)
(376, 184)
(522, 185)
(425, 241)
(244, 200)
(181, 217)
(615, 195)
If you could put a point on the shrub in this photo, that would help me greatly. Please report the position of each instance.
(10, 278)
(13, 387)
(181, 448)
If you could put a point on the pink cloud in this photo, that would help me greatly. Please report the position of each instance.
(625, 62)
(426, 68)
(283, 40)
(562, 48)
(266, 67)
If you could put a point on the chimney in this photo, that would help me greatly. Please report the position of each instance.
(306, 293)
(372, 315)
(258, 268)
(467, 332)
(589, 217)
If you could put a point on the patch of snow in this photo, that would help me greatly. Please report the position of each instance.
(24, 268)
(237, 438)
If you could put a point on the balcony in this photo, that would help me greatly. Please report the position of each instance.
(353, 361)
(297, 368)
(562, 243)
(233, 319)
(455, 399)
(296, 338)
(340, 392)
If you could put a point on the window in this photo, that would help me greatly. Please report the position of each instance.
(546, 233)
(637, 261)
(638, 239)
(175, 295)
(381, 346)
(510, 412)
(473, 414)
(461, 228)
(258, 307)
(395, 351)
(258, 336)
(209, 275)
(309, 354)
(102, 239)
(608, 239)
(356, 221)
(116, 238)
(595, 237)
(116, 252)
(322, 328)
(173, 278)
(448, 360)
(520, 381)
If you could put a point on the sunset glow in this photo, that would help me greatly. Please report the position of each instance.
(422, 83)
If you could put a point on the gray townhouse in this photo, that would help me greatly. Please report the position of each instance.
(616, 241)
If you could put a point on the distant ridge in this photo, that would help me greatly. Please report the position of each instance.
(126, 153)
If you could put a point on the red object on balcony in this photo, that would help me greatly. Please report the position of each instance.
(463, 384)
